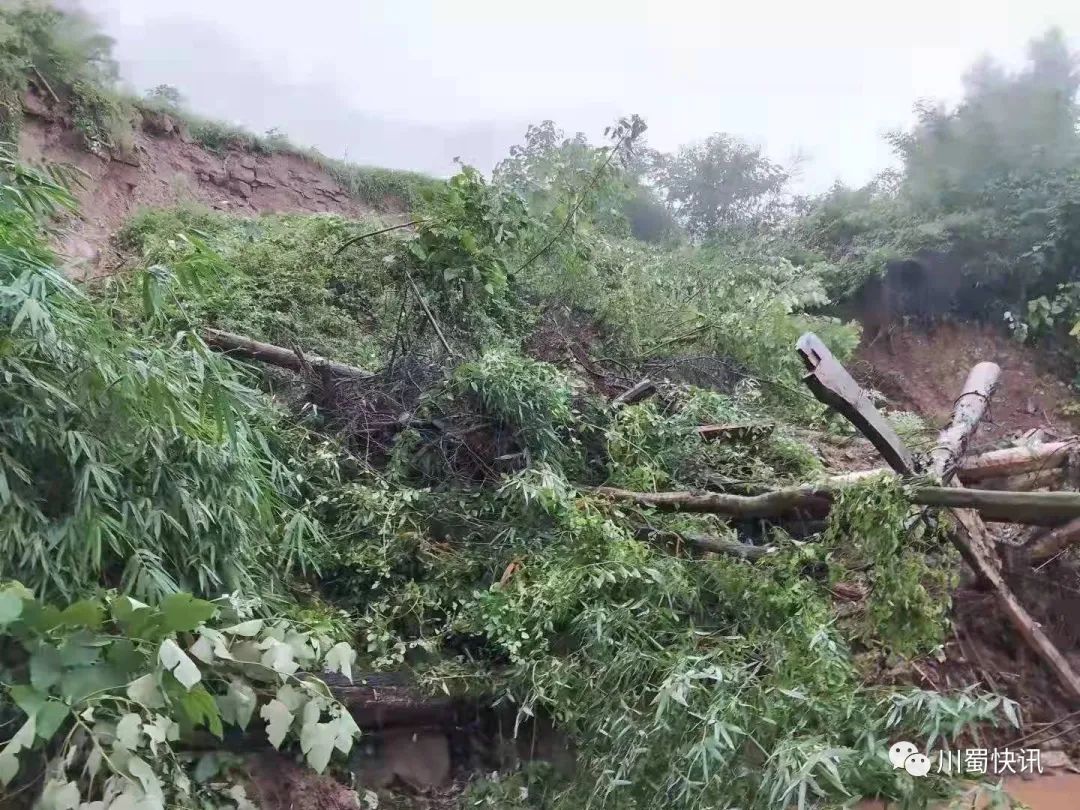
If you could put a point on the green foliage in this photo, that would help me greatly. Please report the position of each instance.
(462, 247)
(383, 189)
(690, 683)
(282, 279)
(719, 185)
(109, 687)
(652, 447)
(871, 526)
(66, 51)
(126, 461)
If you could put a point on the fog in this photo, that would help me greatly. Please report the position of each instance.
(415, 84)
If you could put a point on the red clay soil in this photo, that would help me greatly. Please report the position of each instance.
(924, 372)
(164, 168)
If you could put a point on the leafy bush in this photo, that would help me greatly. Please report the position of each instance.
(127, 462)
(107, 686)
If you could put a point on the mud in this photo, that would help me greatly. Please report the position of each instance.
(163, 167)
(924, 370)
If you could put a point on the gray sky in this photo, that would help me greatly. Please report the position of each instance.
(414, 83)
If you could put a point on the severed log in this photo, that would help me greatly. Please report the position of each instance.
(969, 533)
(1014, 461)
(1053, 478)
(814, 500)
(642, 390)
(234, 345)
(968, 411)
(1053, 543)
(717, 545)
(831, 384)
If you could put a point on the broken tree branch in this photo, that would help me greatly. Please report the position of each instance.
(642, 390)
(705, 542)
(1014, 461)
(248, 349)
(968, 411)
(831, 384)
(1056, 541)
(815, 499)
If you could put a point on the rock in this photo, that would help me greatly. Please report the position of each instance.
(248, 162)
(242, 173)
(127, 156)
(240, 188)
(217, 178)
(158, 123)
(35, 105)
(1054, 759)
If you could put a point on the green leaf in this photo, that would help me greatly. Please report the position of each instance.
(27, 698)
(145, 691)
(49, 718)
(340, 658)
(200, 708)
(181, 612)
(45, 667)
(177, 662)
(129, 731)
(317, 744)
(78, 684)
(87, 613)
(58, 795)
(11, 607)
(278, 721)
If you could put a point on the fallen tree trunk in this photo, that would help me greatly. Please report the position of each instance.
(1014, 461)
(1052, 478)
(970, 406)
(1056, 541)
(814, 500)
(248, 349)
(642, 390)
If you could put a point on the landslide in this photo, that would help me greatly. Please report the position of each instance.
(164, 166)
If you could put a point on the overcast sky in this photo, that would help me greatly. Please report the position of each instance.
(414, 83)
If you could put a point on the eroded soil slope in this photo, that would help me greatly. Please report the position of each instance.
(164, 167)
(924, 371)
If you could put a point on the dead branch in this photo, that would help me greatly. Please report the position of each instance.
(1053, 478)
(642, 390)
(1056, 541)
(813, 500)
(248, 349)
(704, 542)
(1014, 461)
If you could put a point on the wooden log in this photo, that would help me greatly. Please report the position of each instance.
(813, 500)
(1053, 478)
(1014, 461)
(830, 383)
(969, 532)
(1055, 542)
(970, 406)
(704, 542)
(642, 390)
(248, 349)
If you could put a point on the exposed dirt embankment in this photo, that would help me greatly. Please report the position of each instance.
(165, 167)
(923, 370)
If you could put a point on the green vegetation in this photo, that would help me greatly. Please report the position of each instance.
(441, 516)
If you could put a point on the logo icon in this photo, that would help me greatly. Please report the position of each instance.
(906, 755)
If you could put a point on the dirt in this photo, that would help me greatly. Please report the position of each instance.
(278, 783)
(924, 371)
(164, 167)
